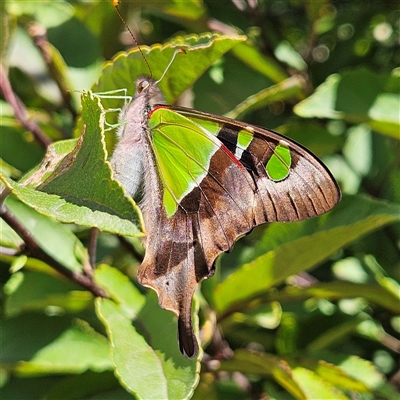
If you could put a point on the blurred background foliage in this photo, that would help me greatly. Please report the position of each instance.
(303, 310)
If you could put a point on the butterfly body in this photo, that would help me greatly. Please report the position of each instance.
(207, 180)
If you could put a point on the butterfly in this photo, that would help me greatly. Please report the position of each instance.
(205, 181)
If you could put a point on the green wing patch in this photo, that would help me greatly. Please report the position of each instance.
(183, 151)
(278, 166)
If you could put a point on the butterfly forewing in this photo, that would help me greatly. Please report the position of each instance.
(307, 190)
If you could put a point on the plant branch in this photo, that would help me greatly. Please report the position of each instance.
(93, 234)
(20, 111)
(37, 252)
(395, 380)
(391, 342)
(54, 62)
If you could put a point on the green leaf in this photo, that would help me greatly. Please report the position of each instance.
(353, 218)
(190, 11)
(322, 103)
(382, 277)
(8, 237)
(201, 52)
(374, 294)
(182, 374)
(286, 53)
(287, 89)
(37, 291)
(8, 170)
(314, 386)
(334, 374)
(220, 89)
(17, 148)
(308, 378)
(249, 362)
(120, 289)
(161, 371)
(81, 189)
(312, 135)
(23, 388)
(59, 345)
(83, 53)
(357, 95)
(253, 57)
(55, 239)
(136, 364)
(363, 371)
(77, 349)
(47, 14)
(383, 114)
(102, 386)
(55, 154)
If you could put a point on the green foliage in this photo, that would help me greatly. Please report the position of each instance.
(97, 201)
(300, 310)
(347, 96)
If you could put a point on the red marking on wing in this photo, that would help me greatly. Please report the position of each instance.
(231, 156)
(155, 109)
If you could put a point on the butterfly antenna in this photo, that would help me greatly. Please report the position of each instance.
(176, 52)
(116, 3)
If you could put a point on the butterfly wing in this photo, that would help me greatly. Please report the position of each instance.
(292, 183)
(216, 181)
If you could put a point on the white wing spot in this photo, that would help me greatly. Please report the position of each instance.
(284, 143)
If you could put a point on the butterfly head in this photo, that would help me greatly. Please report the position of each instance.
(147, 87)
(143, 84)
